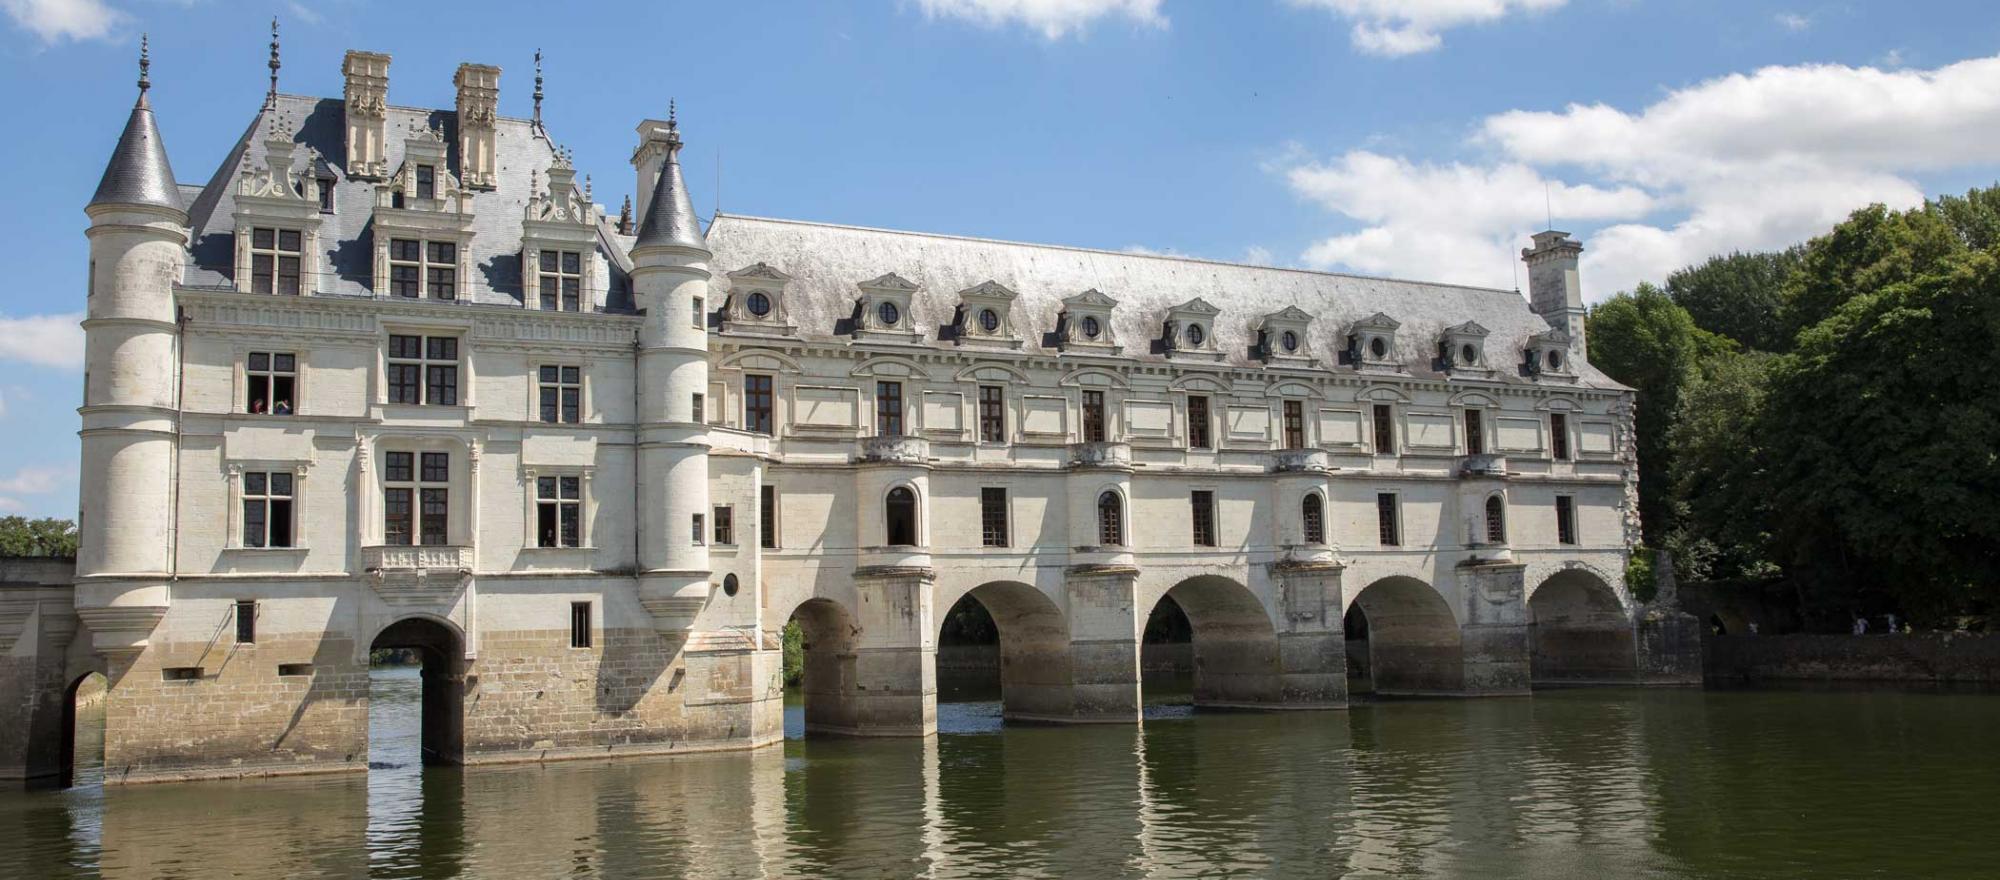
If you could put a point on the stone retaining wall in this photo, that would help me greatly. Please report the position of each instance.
(1925, 657)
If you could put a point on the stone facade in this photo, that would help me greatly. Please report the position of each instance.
(589, 471)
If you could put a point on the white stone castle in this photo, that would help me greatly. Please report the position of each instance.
(390, 378)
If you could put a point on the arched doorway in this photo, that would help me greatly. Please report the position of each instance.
(82, 758)
(1579, 632)
(1403, 639)
(1235, 647)
(1028, 642)
(819, 668)
(435, 652)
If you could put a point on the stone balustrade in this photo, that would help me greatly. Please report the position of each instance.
(1310, 461)
(1100, 455)
(894, 449)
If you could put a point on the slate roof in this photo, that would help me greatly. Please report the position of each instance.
(828, 261)
(347, 234)
(670, 217)
(138, 173)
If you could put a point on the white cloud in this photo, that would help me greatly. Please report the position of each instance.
(34, 480)
(1746, 161)
(53, 21)
(1793, 21)
(43, 340)
(11, 505)
(1053, 18)
(1395, 28)
(1458, 223)
(1259, 255)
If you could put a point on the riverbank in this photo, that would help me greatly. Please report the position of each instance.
(1922, 658)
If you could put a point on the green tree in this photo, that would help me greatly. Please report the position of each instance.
(20, 536)
(794, 642)
(1645, 340)
(1883, 423)
(1720, 471)
(1738, 296)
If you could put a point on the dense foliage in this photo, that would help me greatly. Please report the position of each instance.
(1828, 415)
(20, 536)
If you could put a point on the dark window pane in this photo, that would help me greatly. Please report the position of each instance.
(1093, 417)
(442, 348)
(442, 251)
(545, 487)
(400, 467)
(1385, 429)
(404, 249)
(403, 280)
(253, 522)
(443, 284)
(572, 375)
(406, 346)
(572, 525)
(259, 397)
(437, 467)
(1559, 436)
(281, 484)
(993, 517)
(1295, 424)
(572, 406)
(396, 516)
(1110, 520)
(1385, 516)
(572, 262)
(572, 295)
(1203, 511)
(548, 292)
(262, 238)
(545, 525)
(281, 522)
(889, 408)
(572, 488)
(403, 386)
(253, 483)
(549, 374)
(260, 360)
(288, 240)
(992, 414)
(1198, 423)
(548, 261)
(288, 275)
(767, 517)
(1475, 433)
(757, 404)
(548, 403)
(441, 386)
(435, 504)
(283, 363)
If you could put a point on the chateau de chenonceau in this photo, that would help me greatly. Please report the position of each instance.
(388, 377)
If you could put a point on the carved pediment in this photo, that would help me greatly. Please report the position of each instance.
(1377, 321)
(1196, 306)
(761, 271)
(1092, 298)
(1469, 328)
(888, 281)
(992, 290)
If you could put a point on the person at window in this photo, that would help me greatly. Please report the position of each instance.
(283, 408)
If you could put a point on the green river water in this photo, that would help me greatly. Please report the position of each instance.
(1566, 784)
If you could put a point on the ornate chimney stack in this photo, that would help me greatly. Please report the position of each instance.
(478, 105)
(1554, 289)
(367, 109)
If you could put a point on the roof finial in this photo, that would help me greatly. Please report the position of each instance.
(145, 64)
(587, 196)
(673, 130)
(625, 216)
(538, 89)
(271, 99)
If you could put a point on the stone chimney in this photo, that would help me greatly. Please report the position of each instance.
(478, 104)
(648, 158)
(367, 109)
(1554, 289)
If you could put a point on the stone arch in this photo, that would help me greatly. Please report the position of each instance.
(1236, 662)
(827, 636)
(441, 645)
(1579, 631)
(1034, 654)
(90, 682)
(1402, 638)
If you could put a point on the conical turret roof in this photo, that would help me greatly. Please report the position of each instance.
(138, 173)
(670, 218)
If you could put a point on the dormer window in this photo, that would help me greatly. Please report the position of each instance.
(1548, 356)
(1281, 336)
(561, 281)
(758, 304)
(1188, 331)
(1373, 343)
(885, 312)
(427, 181)
(274, 260)
(756, 301)
(326, 195)
(1085, 323)
(984, 316)
(417, 267)
(1463, 349)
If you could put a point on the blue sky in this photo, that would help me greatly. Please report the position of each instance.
(1415, 138)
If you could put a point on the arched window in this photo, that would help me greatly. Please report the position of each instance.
(1110, 520)
(900, 517)
(1496, 521)
(1312, 515)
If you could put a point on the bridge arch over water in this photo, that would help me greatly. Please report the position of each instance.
(1579, 631)
(1403, 639)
